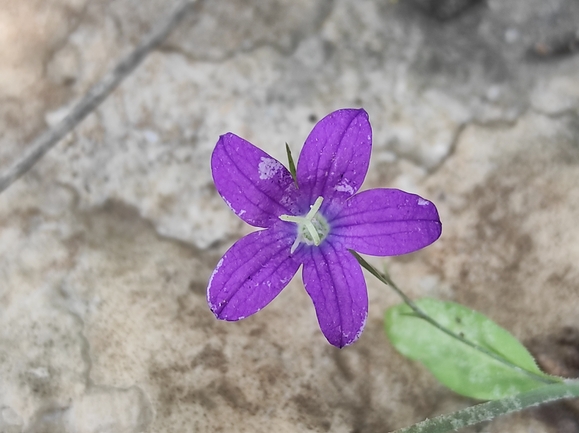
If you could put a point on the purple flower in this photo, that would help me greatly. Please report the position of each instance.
(313, 223)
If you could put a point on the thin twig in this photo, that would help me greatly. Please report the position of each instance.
(384, 278)
(95, 95)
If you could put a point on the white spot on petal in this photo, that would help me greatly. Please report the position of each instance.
(219, 263)
(422, 202)
(361, 327)
(241, 212)
(228, 204)
(344, 186)
(268, 167)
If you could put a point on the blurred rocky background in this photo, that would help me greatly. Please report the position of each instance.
(106, 245)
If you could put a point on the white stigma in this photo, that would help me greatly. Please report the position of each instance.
(312, 228)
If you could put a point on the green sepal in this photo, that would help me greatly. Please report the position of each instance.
(291, 164)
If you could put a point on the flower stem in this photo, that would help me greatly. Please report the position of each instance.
(385, 278)
(492, 409)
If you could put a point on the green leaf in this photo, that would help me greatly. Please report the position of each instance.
(456, 365)
(291, 164)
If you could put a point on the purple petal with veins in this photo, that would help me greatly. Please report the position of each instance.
(336, 155)
(257, 187)
(251, 274)
(314, 225)
(333, 279)
(386, 222)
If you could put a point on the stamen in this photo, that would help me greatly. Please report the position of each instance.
(295, 245)
(292, 219)
(315, 208)
(308, 226)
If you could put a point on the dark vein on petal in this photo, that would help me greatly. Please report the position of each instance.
(252, 183)
(337, 301)
(256, 204)
(386, 221)
(323, 190)
(318, 277)
(349, 212)
(374, 235)
(257, 264)
(253, 189)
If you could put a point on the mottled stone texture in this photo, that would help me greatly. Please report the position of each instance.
(107, 244)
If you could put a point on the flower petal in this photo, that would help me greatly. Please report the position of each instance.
(333, 279)
(336, 154)
(252, 273)
(386, 222)
(257, 187)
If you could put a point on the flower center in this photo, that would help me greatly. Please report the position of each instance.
(312, 228)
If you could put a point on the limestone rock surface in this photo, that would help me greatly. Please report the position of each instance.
(107, 244)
